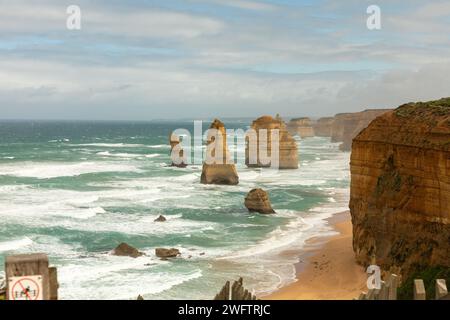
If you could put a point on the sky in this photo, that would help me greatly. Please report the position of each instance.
(144, 60)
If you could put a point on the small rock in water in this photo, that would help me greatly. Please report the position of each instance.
(257, 200)
(161, 218)
(167, 253)
(125, 249)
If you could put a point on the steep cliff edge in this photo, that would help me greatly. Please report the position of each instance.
(346, 126)
(400, 188)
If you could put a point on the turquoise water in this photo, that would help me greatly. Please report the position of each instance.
(75, 190)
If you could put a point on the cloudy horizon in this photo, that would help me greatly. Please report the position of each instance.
(144, 60)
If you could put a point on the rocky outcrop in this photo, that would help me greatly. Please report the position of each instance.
(301, 127)
(161, 218)
(346, 126)
(126, 250)
(400, 189)
(218, 168)
(257, 200)
(288, 153)
(176, 152)
(322, 127)
(167, 253)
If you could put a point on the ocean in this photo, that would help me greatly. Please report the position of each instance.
(75, 190)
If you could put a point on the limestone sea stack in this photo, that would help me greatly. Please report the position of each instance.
(257, 200)
(346, 126)
(322, 127)
(177, 153)
(218, 168)
(288, 153)
(301, 127)
(400, 189)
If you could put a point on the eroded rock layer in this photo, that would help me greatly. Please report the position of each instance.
(288, 153)
(400, 188)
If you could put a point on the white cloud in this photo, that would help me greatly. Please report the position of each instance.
(246, 4)
(109, 70)
(147, 23)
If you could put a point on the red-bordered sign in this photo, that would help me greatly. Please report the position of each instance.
(25, 288)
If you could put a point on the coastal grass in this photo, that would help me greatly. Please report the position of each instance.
(429, 276)
(435, 108)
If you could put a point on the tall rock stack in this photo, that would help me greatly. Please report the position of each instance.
(219, 169)
(400, 189)
(178, 157)
(288, 154)
(322, 127)
(301, 126)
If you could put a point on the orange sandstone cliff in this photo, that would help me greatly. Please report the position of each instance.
(400, 189)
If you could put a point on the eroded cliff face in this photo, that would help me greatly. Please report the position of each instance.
(346, 126)
(322, 127)
(301, 126)
(288, 153)
(400, 188)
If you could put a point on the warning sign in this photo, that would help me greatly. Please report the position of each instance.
(25, 288)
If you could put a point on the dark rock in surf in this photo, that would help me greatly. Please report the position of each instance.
(126, 250)
(257, 200)
(167, 253)
(161, 218)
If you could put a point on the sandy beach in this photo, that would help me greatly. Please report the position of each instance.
(328, 270)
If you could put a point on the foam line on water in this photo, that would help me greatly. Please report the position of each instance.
(116, 278)
(110, 145)
(48, 170)
(15, 244)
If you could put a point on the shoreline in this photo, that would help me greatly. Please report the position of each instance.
(326, 269)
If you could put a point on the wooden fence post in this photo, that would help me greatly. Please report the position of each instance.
(53, 283)
(28, 277)
(383, 291)
(441, 288)
(419, 290)
(393, 284)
